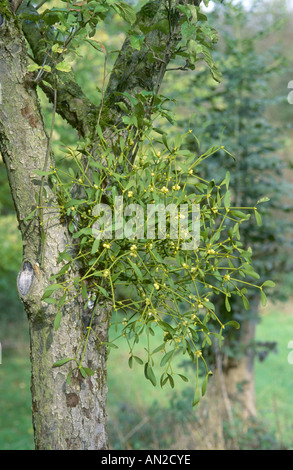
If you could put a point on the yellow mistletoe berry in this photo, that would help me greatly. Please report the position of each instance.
(211, 252)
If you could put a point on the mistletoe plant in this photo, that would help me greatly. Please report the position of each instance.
(171, 286)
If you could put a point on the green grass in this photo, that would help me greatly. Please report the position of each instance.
(131, 397)
(274, 376)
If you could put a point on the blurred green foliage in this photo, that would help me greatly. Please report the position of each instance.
(16, 430)
(6, 203)
(10, 253)
(11, 258)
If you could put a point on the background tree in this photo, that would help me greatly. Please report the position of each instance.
(239, 112)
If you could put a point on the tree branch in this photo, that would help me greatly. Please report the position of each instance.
(144, 69)
(72, 104)
(15, 4)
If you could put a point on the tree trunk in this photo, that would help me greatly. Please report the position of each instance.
(64, 416)
(238, 374)
(231, 393)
